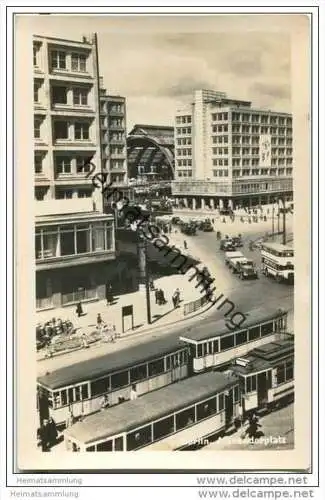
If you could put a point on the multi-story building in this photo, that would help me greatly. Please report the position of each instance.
(228, 154)
(113, 141)
(74, 239)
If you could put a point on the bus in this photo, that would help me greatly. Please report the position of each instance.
(172, 418)
(278, 261)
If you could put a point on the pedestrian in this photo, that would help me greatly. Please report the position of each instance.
(70, 420)
(99, 320)
(133, 392)
(109, 294)
(104, 403)
(157, 296)
(79, 310)
(252, 428)
(44, 435)
(185, 245)
(52, 432)
(162, 297)
(176, 298)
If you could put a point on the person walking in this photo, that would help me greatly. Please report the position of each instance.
(133, 393)
(157, 296)
(176, 298)
(109, 294)
(70, 420)
(185, 245)
(79, 310)
(52, 432)
(99, 320)
(44, 435)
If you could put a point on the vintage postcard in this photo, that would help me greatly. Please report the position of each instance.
(163, 279)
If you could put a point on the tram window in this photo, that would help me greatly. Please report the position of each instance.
(193, 350)
(221, 402)
(56, 399)
(138, 373)
(138, 438)
(253, 333)
(119, 379)
(227, 342)
(236, 393)
(207, 408)
(84, 391)
(98, 386)
(156, 367)
(90, 448)
(118, 444)
(106, 446)
(267, 328)
(248, 384)
(289, 370)
(215, 346)
(163, 428)
(70, 395)
(253, 378)
(185, 418)
(280, 374)
(167, 362)
(199, 350)
(176, 360)
(77, 393)
(241, 338)
(184, 357)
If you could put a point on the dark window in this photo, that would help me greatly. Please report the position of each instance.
(90, 448)
(67, 243)
(138, 373)
(185, 418)
(84, 391)
(221, 402)
(81, 130)
(267, 329)
(59, 95)
(167, 362)
(61, 130)
(227, 342)
(248, 384)
(119, 379)
(253, 377)
(106, 446)
(200, 350)
(156, 367)
(163, 428)
(289, 370)
(280, 375)
(99, 386)
(215, 346)
(236, 393)
(70, 395)
(138, 438)
(118, 444)
(241, 338)
(207, 408)
(64, 399)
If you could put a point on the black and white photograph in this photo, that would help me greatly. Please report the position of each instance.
(165, 211)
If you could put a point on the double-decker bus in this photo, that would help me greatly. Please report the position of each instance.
(278, 261)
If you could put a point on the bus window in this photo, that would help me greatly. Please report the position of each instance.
(241, 338)
(206, 409)
(267, 329)
(185, 418)
(156, 367)
(99, 386)
(138, 373)
(138, 438)
(118, 444)
(221, 402)
(90, 448)
(227, 342)
(106, 446)
(120, 379)
(163, 428)
(253, 333)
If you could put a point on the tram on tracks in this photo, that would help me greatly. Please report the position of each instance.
(80, 388)
(169, 419)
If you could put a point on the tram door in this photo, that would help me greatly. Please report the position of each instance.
(43, 406)
(229, 407)
(262, 388)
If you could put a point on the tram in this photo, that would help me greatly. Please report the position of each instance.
(79, 388)
(266, 375)
(169, 419)
(210, 347)
(278, 261)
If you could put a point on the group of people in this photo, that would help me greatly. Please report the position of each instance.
(160, 297)
(47, 434)
(50, 329)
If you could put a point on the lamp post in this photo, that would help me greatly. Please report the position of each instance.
(143, 270)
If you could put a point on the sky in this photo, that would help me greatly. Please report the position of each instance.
(157, 63)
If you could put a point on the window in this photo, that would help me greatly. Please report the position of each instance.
(83, 165)
(267, 329)
(206, 409)
(81, 131)
(61, 130)
(38, 164)
(118, 444)
(221, 402)
(84, 193)
(35, 55)
(37, 128)
(67, 236)
(280, 374)
(106, 446)
(64, 398)
(59, 95)
(99, 386)
(138, 373)
(91, 448)
(253, 333)
(58, 59)
(39, 193)
(37, 86)
(120, 379)
(138, 438)
(63, 165)
(156, 367)
(163, 428)
(80, 97)
(227, 342)
(236, 393)
(185, 418)
(289, 370)
(241, 338)
(83, 238)
(78, 62)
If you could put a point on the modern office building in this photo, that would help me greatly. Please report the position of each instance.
(74, 239)
(229, 154)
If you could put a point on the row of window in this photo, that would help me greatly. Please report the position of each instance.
(183, 130)
(63, 164)
(184, 173)
(219, 128)
(59, 60)
(220, 162)
(256, 151)
(62, 130)
(73, 239)
(62, 193)
(119, 380)
(184, 152)
(174, 422)
(247, 162)
(77, 96)
(256, 118)
(220, 173)
(184, 163)
(183, 119)
(113, 123)
(262, 171)
(184, 141)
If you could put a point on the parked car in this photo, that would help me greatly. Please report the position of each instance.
(247, 270)
(227, 245)
(230, 255)
(237, 241)
(207, 227)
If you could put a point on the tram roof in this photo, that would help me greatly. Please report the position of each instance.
(277, 246)
(111, 362)
(149, 407)
(219, 328)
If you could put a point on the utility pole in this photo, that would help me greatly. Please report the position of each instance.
(273, 221)
(284, 236)
(143, 268)
(278, 216)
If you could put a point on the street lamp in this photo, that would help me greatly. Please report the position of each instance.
(142, 246)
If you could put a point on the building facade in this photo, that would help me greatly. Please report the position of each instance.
(74, 239)
(228, 154)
